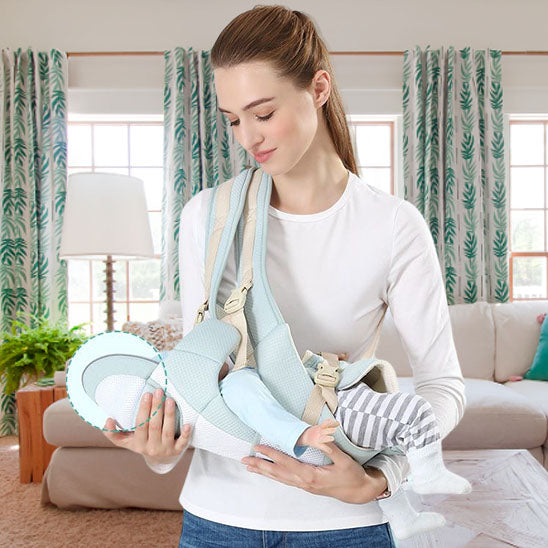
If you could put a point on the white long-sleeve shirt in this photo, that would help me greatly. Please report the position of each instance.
(331, 273)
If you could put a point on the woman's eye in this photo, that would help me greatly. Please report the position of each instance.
(261, 118)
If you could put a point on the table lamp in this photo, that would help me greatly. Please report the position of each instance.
(106, 216)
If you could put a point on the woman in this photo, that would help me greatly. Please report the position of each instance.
(338, 251)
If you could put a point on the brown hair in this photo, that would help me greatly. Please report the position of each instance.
(288, 40)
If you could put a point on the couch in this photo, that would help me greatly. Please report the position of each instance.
(493, 342)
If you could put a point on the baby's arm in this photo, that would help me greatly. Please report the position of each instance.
(318, 436)
(252, 402)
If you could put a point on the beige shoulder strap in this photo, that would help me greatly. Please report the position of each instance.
(222, 206)
(370, 352)
(234, 306)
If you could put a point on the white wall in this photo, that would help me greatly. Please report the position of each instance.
(369, 84)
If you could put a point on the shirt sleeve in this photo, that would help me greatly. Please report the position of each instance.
(191, 274)
(418, 303)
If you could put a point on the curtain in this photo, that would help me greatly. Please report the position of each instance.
(454, 165)
(199, 150)
(33, 144)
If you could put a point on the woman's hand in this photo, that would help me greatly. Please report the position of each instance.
(155, 439)
(345, 479)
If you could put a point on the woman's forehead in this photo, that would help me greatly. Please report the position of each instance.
(244, 87)
(250, 74)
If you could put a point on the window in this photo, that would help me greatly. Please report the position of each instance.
(528, 203)
(129, 147)
(374, 148)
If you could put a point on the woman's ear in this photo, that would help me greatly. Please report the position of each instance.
(321, 87)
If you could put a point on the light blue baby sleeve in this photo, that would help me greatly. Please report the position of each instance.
(251, 401)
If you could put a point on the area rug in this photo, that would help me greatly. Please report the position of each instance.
(23, 522)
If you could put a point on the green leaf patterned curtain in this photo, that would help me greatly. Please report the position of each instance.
(199, 149)
(454, 165)
(33, 173)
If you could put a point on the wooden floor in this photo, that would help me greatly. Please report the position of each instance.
(508, 505)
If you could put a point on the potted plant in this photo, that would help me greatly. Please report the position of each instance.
(28, 354)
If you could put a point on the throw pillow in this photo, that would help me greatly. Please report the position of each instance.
(539, 370)
(163, 334)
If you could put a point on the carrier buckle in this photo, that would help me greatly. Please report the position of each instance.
(201, 312)
(326, 375)
(237, 298)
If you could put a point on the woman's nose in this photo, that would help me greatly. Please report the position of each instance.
(250, 139)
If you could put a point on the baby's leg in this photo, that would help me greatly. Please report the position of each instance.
(380, 420)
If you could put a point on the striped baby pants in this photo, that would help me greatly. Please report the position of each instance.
(380, 420)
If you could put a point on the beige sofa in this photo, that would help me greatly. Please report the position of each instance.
(493, 341)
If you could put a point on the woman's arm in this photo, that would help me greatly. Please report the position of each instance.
(416, 296)
(191, 274)
(344, 480)
(418, 304)
(417, 299)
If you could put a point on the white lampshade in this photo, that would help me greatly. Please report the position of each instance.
(105, 214)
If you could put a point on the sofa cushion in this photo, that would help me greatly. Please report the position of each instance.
(62, 426)
(537, 393)
(496, 417)
(474, 336)
(534, 391)
(517, 336)
(473, 333)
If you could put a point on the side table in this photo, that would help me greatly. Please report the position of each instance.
(34, 451)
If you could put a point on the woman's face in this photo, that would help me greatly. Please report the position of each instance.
(287, 122)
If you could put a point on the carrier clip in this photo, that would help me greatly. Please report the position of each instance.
(201, 312)
(237, 298)
(327, 375)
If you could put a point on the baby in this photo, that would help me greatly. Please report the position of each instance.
(371, 420)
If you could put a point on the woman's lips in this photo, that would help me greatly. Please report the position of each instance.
(264, 157)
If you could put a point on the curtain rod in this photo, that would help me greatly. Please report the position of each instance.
(115, 53)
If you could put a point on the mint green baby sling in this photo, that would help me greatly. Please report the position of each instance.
(251, 329)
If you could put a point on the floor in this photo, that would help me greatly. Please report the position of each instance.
(508, 505)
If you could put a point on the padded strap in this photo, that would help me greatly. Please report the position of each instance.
(234, 306)
(229, 202)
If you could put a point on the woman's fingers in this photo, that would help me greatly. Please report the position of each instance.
(118, 438)
(143, 413)
(183, 439)
(168, 432)
(156, 419)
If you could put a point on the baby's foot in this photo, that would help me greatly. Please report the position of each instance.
(318, 436)
(429, 474)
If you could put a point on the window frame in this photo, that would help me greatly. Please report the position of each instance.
(526, 120)
(111, 120)
(377, 120)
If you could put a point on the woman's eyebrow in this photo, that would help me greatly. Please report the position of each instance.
(251, 105)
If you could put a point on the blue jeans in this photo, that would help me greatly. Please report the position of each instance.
(202, 533)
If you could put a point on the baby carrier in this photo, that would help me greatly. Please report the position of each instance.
(251, 328)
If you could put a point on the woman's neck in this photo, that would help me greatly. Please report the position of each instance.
(307, 191)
